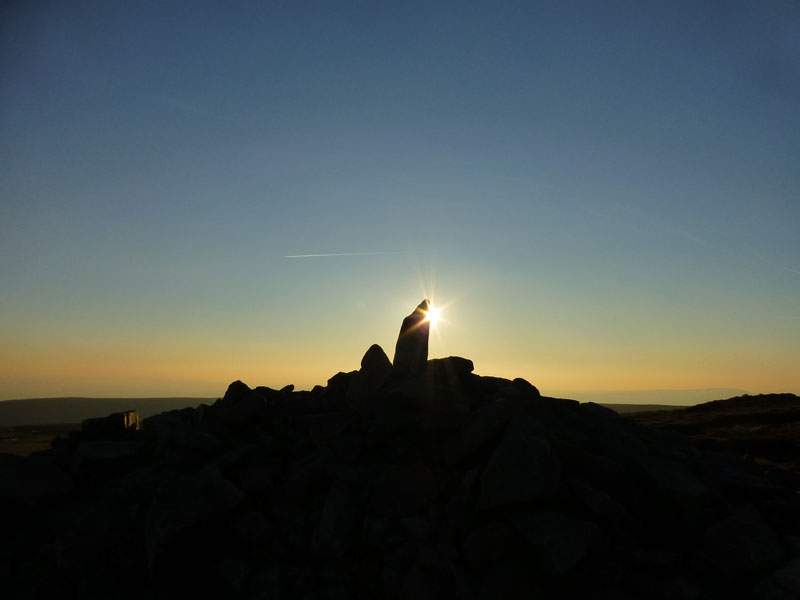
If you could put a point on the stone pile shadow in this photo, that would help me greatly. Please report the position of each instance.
(427, 482)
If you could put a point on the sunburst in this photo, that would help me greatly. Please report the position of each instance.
(433, 315)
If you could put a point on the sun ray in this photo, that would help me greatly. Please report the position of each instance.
(433, 315)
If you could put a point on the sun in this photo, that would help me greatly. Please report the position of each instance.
(433, 314)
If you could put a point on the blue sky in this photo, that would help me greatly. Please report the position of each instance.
(605, 195)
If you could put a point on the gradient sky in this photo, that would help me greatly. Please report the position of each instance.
(603, 195)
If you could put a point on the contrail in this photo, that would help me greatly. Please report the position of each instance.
(775, 265)
(342, 254)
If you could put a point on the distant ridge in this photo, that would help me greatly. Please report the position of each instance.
(764, 427)
(637, 408)
(52, 411)
(667, 397)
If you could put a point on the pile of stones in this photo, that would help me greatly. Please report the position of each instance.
(415, 480)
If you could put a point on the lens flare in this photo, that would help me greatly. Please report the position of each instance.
(433, 315)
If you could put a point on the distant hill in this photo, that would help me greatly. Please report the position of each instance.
(52, 411)
(765, 427)
(636, 408)
(658, 397)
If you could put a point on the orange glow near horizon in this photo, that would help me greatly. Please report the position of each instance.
(206, 373)
(200, 354)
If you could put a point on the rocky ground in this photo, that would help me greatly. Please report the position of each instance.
(25, 439)
(764, 427)
(431, 482)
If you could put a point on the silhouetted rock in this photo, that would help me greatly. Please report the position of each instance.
(413, 404)
(339, 384)
(486, 545)
(561, 542)
(739, 547)
(246, 412)
(433, 483)
(783, 583)
(522, 468)
(179, 505)
(113, 426)
(375, 366)
(110, 451)
(411, 351)
(374, 373)
(404, 489)
(449, 371)
(235, 391)
(180, 428)
(272, 396)
(484, 427)
(513, 580)
(525, 387)
(32, 480)
(336, 529)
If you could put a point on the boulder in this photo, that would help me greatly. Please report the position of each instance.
(235, 391)
(375, 365)
(110, 451)
(306, 477)
(246, 411)
(522, 467)
(526, 388)
(417, 587)
(512, 581)
(411, 351)
(600, 504)
(561, 542)
(404, 489)
(486, 545)
(114, 425)
(783, 583)
(411, 407)
(232, 575)
(484, 427)
(336, 529)
(374, 373)
(271, 395)
(449, 371)
(178, 428)
(339, 384)
(31, 480)
(739, 547)
(410, 529)
(180, 504)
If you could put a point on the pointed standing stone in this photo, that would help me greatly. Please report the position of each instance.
(376, 369)
(411, 352)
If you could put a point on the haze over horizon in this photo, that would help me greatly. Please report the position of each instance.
(602, 197)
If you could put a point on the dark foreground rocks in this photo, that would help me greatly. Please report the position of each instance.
(440, 485)
(765, 427)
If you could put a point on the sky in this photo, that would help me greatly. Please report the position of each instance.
(601, 195)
